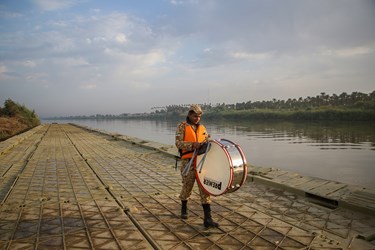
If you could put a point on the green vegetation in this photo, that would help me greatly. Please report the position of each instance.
(344, 107)
(319, 114)
(16, 118)
(356, 100)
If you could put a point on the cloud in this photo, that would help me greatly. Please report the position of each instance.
(250, 56)
(37, 77)
(30, 64)
(3, 69)
(73, 62)
(88, 86)
(348, 52)
(152, 58)
(52, 5)
(180, 2)
(121, 38)
(207, 50)
(6, 14)
(142, 67)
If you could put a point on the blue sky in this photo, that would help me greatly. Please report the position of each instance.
(84, 57)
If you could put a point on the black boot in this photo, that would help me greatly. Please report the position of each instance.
(184, 214)
(208, 222)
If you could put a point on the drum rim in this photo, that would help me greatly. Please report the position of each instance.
(230, 159)
(243, 160)
(244, 163)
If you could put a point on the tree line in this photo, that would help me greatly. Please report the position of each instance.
(355, 100)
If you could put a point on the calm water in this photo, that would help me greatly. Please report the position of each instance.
(342, 152)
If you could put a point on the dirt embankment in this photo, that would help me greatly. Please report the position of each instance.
(10, 126)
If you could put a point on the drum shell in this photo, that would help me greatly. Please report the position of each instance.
(239, 164)
(224, 169)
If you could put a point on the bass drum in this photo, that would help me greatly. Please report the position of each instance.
(224, 168)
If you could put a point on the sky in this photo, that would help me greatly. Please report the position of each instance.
(86, 57)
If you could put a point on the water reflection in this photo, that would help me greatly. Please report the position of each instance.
(333, 132)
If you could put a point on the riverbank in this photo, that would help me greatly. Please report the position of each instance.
(15, 119)
(11, 126)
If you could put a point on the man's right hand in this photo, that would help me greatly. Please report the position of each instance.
(196, 145)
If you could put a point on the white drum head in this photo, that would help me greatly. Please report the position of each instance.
(216, 174)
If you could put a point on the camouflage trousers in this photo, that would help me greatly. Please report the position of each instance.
(188, 184)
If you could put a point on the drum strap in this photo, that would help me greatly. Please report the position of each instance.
(187, 152)
(200, 164)
(188, 166)
(177, 158)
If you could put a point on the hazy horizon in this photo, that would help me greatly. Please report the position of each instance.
(86, 57)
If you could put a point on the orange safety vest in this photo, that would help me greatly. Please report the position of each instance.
(193, 136)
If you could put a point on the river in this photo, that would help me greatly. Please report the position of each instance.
(343, 152)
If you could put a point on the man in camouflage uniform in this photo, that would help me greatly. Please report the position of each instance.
(188, 179)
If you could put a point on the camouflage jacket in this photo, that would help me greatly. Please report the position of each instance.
(180, 134)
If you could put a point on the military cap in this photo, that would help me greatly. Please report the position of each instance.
(196, 108)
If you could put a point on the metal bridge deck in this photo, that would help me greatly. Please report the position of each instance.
(64, 187)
